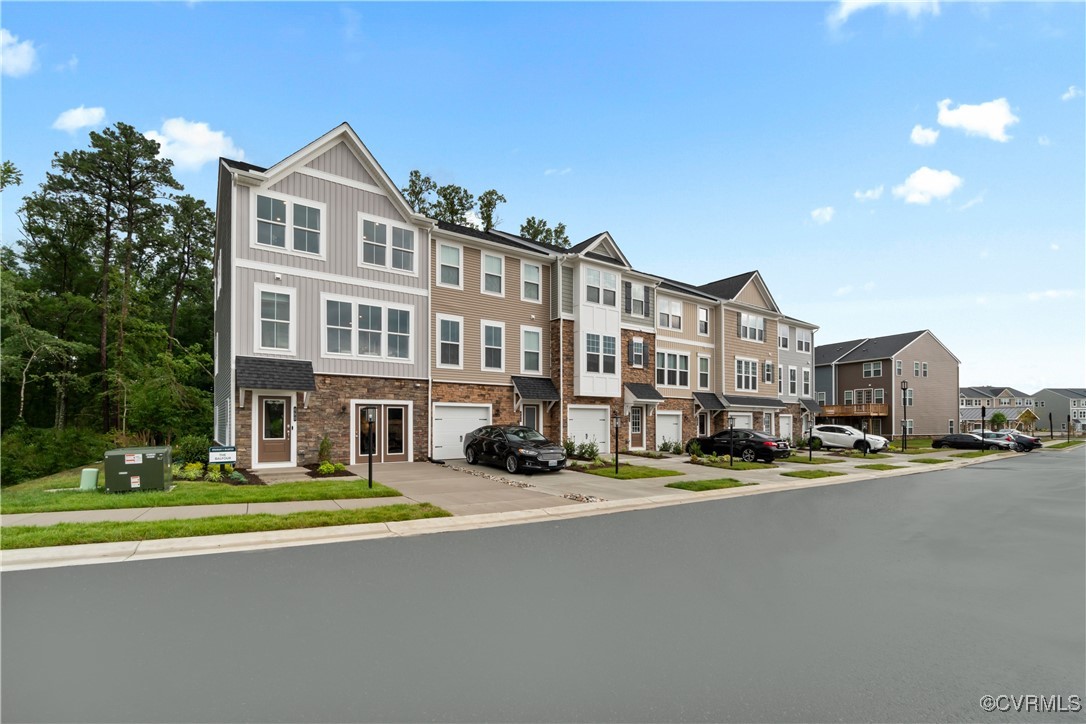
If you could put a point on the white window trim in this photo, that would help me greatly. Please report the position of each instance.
(483, 324)
(437, 341)
(292, 334)
(438, 265)
(384, 307)
(708, 359)
(768, 365)
(793, 381)
(805, 382)
(289, 201)
(783, 334)
(482, 274)
(644, 350)
(523, 280)
(668, 303)
(780, 379)
(523, 348)
(388, 246)
(708, 322)
(757, 374)
(677, 354)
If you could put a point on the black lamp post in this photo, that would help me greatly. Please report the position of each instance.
(904, 415)
(616, 420)
(863, 426)
(731, 442)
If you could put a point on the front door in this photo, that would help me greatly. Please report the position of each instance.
(786, 427)
(637, 428)
(382, 430)
(530, 417)
(273, 443)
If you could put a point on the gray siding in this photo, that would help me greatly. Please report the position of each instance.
(341, 162)
(648, 320)
(567, 290)
(224, 354)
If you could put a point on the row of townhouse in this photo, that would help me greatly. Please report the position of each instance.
(1054, 409)
(900, 382)
(339, 312)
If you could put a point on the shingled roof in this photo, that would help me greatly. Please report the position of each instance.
(728, 288)
(267, 373)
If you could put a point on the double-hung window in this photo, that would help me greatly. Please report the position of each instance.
(449, 262)
(897, 365)
(493, 275)
(637, 300)
(307, 229)
(367, 329)
(592, 352)
(531, 345)
(782, 336)
(449, 341)
(703, 372)
(752, 327)
(403, 249)
(807, 382)
(276, 332)
(271, 222)
(339, 329)
(792, 381)
(848, 397)
(610, 355)
(923, 369)
(370, 330)
(873, 369)
(386, 246)
(303, 227)
(803, 340)
(780, 379)
(531, 277)
(768, 372)
(670, 313)
(703, 321)
(916, 369)
(637, 352)
(592, 285)
(746, 374)
(399, 334)
(672, 369)
(493, 345)
(909, 397)
(374, 242)
(610, 289)
(880, 396)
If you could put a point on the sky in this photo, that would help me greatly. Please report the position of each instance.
(887, 167)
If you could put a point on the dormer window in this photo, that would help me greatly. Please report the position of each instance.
(600, 287)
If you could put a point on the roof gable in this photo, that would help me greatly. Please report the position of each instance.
(601, 247)
(748, 288)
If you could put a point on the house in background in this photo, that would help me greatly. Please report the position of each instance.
(1014, 404)
(1062, 403)
(904, 381)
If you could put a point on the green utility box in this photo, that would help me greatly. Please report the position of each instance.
(138, 468)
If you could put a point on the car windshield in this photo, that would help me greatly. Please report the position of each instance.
(526, 434)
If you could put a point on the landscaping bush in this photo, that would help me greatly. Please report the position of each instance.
(695, 449)
(588, 450)
(192, 449)
(324, 453)
(570, 447)
(30, 452)
(191, 471)
(213, 474)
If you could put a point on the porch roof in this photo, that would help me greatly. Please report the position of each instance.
(260, 373)
(709, 401)
(640, 392)
(769, 403)
(536, 388)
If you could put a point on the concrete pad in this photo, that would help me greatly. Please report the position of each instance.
(17, 518)
(86, 516)
(354, 503)
(292, 506)
(188, 512)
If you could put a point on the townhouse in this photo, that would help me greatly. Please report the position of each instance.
(1013, 404)
(341, 314)
(898, 382)
(1059, 409)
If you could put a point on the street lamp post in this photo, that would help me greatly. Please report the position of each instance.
(863, 426)
(616, 420)
(904, 413)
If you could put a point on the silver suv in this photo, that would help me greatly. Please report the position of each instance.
(847, 437)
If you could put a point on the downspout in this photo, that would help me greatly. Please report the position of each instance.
(429, 349)
(561, 360)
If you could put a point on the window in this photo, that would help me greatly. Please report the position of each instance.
(909, 397)
(806, 382)
(898, 365)
(530, 282)
(637, 352)
(278, 218)
(610, 355)
(703, 372)
(600, 286)
(746, 374)
(923, 369)
(637, 300)
(780, 379)
(768, 372)
(848, 397)
(449, 263)
(403, 249)
(275, 316)
(916, 369)
(592, 285)
(783, 332)
(592, 352)
(369, 330)
(307, 229)
(399, 333)
(820, 397)
(909, 427)
(671, 313)
(449, 331)
(803, 340)
(703, 321)
(879, 396)
(375, 245)
(873, 369)
(373, 242)
(271, 224)
(338, 327)
(672, 369)
(531, 345)
(752, 327)
(792, 381)
(610, 289)
(493, 345)
(493, 268)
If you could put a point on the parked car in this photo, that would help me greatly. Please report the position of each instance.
(1005, 440)
(514, 447)
(844, 436)
(965, 441)
(750, 445)
(1026, 442)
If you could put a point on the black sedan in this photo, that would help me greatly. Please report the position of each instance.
(965, 441)
(1025, 442)
(750, 445)
(514, 447)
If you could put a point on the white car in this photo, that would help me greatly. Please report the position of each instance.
(847, 437)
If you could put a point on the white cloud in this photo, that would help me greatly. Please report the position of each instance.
(1072, 92)
(16, 59)
(926, 184)
(1051, 294)
(987, 119)
(73, 119)
(869, 286)
(474, 220)
(557, 171)
(823, 215)
(846, 8)
(71, 64)
(1044, 141)
(842, 291)
(192, 144)
(870, 195)
(924, 136)
(978, 199)
(1054, 247)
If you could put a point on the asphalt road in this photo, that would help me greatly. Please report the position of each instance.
(904, 599)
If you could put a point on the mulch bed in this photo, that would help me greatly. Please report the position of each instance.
(250, 478)
(311, 471)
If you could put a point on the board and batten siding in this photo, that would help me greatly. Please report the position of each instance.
(474, 306)
(339, 161)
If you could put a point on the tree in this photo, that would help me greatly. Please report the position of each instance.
(488, 203)
(453, 204)
(998, 420)
(187, 251)
(9, 175)
(419, 191)
(539, 230)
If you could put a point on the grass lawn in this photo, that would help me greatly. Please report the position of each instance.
(29, 536)
(930, 461)
(629, 472)
(815, 460)
(811, 474)
(870, 456)
(698, 486)
(882, 466)
(722, 463)
(974, 454)
(915, 444)
(1064, 444)
(32, 496)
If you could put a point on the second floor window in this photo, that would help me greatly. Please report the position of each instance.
(637, 300)
(746, 374)
(274, 320)
(592, 352)
(923, 369)
(703, 321)
(375, 246)
(897, 365)
(672, 369)
(449, 265)
(916, 369)
(530, 277)
(449, 331)
(530, 350)
(492, 274)
(909, 397)
(637, 352)
(339, 328)
(768, 372)
(752, 327)
(792, 381)
(367, 329)
(493, 345)
(806, 382)
(780, 379)
(873, 369)
(703, 373)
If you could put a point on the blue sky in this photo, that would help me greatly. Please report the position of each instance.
(887, 167)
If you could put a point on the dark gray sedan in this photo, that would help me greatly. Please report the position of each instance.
(514, 447)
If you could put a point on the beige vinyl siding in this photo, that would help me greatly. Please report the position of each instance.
(689, 332)
(341, 162)
(310, 332)
(936, 396)
(474, 306)
(666, 345)
(735, 346)
(753, 296)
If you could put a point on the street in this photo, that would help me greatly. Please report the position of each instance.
(901, 599)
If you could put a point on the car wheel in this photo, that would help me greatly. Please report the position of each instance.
(1019, 448)
(748, 455)
(511, 463)
(991, 447)
(470, 456)
(862, 447)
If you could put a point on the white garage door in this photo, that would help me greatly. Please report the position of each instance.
(451, 423)
(742, 419)
(590, 423)
(669, 426)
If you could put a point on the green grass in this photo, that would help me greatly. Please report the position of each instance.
(29, 536)
(815, 460)
(1064, 444)
(722, 463)
(33, 496)
(974, 454)
(629, 472)
(882, 466)
(930, 461)
(698, 486)
(811, 474)
(860, 455)
(915, 444)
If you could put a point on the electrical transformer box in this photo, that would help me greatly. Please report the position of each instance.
(138, 468)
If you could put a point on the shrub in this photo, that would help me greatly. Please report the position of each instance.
(236, 476)
(326, 468)
(191, 471)
(695, 449)
(29, 452)
(816, 443)
(213, 474)
(588, 450)
(340, 467)
(192, 449)
(324, 453)
(570, 447)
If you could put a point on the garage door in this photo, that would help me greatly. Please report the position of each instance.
(590, 423)
(742, 419)
(451, 423)
(669, 426)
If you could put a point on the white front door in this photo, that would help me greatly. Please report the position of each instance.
(451, 423)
